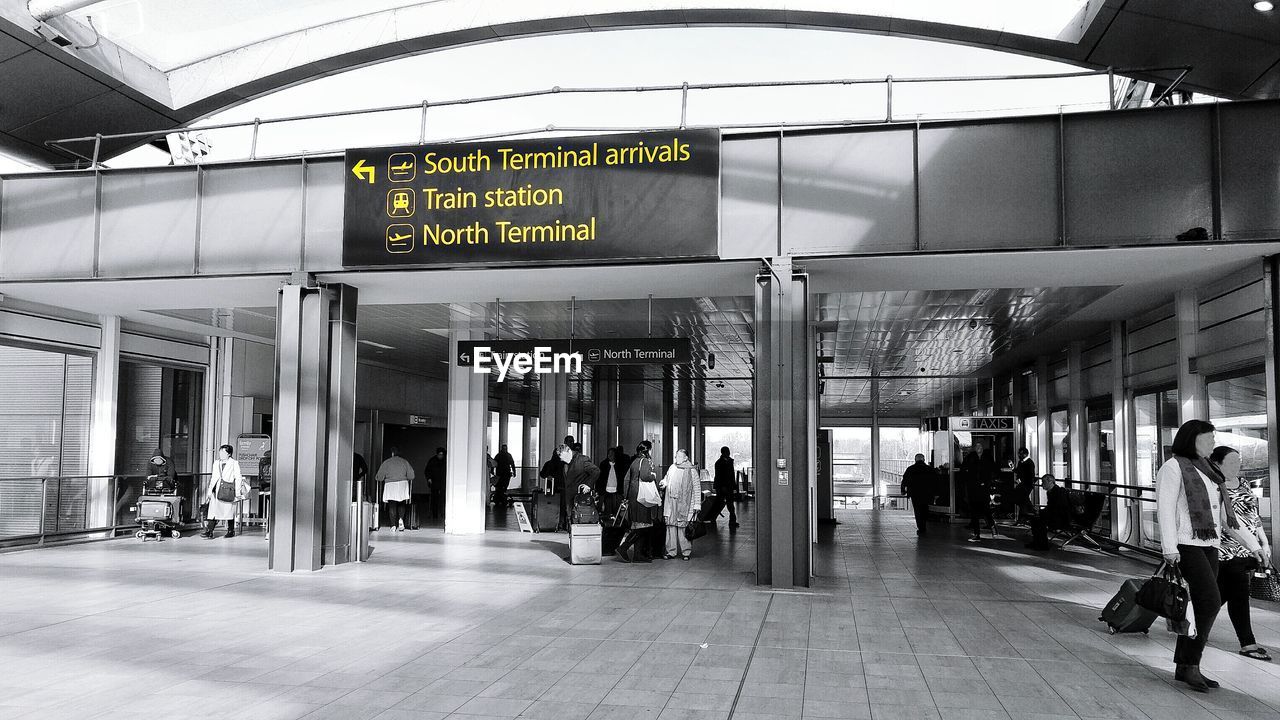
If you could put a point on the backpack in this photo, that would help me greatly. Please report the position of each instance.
(584, 510)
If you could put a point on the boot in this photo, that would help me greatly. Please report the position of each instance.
(231, 529)
(208, 529)
(1190, 674)
(623, 546)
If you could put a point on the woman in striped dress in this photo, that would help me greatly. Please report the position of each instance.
(1235, 562)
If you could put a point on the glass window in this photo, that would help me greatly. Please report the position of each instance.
(851, 462)
(1100, 462)
(1060, 453)
(491, 435)
(898, 448)
(159, 410)
(737, 439)
(1030, 438)
(1238, 409)
(515, 438)
(535, 450)
(45, 401)
(1156, 417)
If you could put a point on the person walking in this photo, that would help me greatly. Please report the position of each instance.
(979, 469)
(917, 483)
(1195, 514)
(640, 518)
(504, 468)
(436, 482)
(680, 504)
(725, 484)
(396, 475)
(226, 471)
(1235, 562)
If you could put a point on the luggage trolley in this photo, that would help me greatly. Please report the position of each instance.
(159, 509)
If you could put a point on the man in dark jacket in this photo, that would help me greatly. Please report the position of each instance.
(1025, 474)
(504, 468)
(434, 473)
(579, 472)
(979, 470)
(725, 484)
(917, 483)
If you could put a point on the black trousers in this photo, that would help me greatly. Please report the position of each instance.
(727, 497)
(920, 506)
(1199, 567)
(210, 524)
(1233, 587)
(979, 501)
(397, 512)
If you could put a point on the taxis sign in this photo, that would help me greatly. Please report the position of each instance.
(628, 196)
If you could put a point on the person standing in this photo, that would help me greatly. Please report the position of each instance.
(1235, 562)
(436, 482)
(725, 484)
(640, 518)
(1025, 475)
(396, 474)
(226, 469)
(978, 469)
(504, 468)
(680, 504)
(580, 475)
(1195, 514)
(917, 483)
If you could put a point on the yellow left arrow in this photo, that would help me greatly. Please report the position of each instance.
(363, 172)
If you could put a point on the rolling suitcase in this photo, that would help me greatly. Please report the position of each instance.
(1123, 614)
(711, 509)
(584, 544)
(546, 512)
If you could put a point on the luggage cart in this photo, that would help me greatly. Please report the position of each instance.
(159, 510)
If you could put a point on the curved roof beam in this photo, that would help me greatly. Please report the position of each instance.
(215, 82)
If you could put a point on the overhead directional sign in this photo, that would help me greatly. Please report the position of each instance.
(629, 196)
(635, 351)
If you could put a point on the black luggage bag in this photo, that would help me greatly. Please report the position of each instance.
(546, 512)
(711, 509)
(1123, 614)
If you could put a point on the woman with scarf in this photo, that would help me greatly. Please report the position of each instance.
(1235, 562)
(640, 518)
(680, 504)
(1195, 513)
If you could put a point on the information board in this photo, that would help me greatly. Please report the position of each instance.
(522, 517)
(249, 451)
(628, 196)
(614, 351)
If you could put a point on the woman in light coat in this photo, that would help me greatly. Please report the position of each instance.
(681, 504)
(225, 469)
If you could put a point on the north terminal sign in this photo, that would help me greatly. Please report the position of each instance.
(638, 351)
(630, 196)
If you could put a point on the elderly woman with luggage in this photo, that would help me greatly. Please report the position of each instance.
(681, 503)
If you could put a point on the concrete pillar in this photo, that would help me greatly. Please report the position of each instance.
(553, 412)
(1271, 281)
(504, 417)
(784, 358)
(527, 472)
(631, 407)
(685, 442)
(314, 426)
(875, 439)
(1124, 459)
(664, 453)
(102, 423)
(466, 472)
(1193, 396)
(1044, 426)
(1077, 417)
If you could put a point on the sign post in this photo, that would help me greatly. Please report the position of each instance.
(630, 196)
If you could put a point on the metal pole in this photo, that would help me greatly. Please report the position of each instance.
(888, 102)
(422, 126)
(684, 104)
(44, 498)
(362, 525)
(97, 149)
(253, 146)
(1111, 86)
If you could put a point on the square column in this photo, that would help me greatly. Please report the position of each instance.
(781, 435)
(466, 471)
(314, 430)
(631, 407)
(1077, 420)
(1193, 396)
(685, 441)
(102, 428)
(553, 412)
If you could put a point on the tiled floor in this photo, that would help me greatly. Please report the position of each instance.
(500, 626)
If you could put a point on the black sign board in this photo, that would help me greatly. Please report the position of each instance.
(997, 422)
(547, 200)
(638, 351)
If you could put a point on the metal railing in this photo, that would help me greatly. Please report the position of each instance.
(94, 154)
(35, 511)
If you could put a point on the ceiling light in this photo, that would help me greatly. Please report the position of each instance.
(380, 346)
(1263, 6)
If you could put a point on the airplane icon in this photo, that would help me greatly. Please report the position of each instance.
(402, 167)
(400, 238)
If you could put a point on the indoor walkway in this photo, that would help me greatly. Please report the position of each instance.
(500, 626)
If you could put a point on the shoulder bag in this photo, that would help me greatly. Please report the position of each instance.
(647, 494)
(1165, 593)
(694, 530)
(1264, 585)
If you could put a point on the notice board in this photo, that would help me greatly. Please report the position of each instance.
(631, 196)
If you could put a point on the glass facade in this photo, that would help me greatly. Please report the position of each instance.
(1060, 452)
(1156, 417)
(1100, 461)
(45, 402)
(1238, 409)
(160, 410)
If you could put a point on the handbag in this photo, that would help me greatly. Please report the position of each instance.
(647, 494)
(1264, 585)
(694, 530)
(1165, 593)
(226, 491)
(620, 515)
